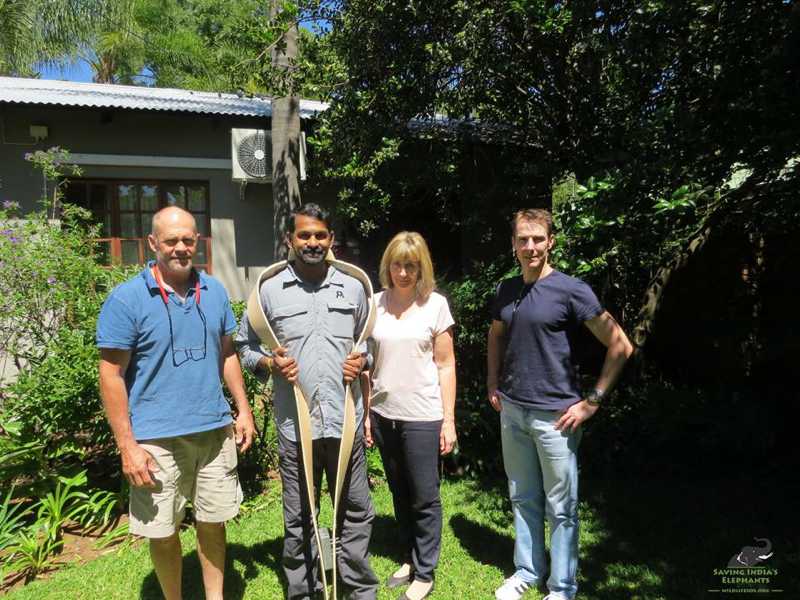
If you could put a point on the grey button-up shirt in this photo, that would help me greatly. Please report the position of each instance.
(317, 324)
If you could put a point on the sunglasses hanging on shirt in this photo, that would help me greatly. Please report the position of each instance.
(184, 354)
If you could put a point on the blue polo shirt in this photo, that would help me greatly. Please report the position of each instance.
(173, 378)
(538, 371)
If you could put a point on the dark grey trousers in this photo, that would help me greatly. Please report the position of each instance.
(410, 454)
(354, 525)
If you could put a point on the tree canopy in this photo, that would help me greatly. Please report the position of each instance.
(650, 106)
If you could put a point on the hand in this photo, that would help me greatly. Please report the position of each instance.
(368, 433)
(352, 367)
(244, 430)
(447, 438)
(285, 364)
(575, 415)
(494, 399)
(138, 466)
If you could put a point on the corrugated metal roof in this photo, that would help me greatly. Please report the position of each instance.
(100, 95)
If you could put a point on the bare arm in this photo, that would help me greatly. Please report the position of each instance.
(495, 348)
(137, 464)
(232, 374)
(444, 357)
(366, 392)
(619, 349)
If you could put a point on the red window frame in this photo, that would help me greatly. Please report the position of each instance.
(110, 212)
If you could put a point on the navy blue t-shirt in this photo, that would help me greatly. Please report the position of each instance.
(537, 367)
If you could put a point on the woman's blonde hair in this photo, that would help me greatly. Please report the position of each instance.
(409, 245)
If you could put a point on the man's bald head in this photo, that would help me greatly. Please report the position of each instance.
(172, 216)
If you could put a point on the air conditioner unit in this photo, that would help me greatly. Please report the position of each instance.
(251, 154)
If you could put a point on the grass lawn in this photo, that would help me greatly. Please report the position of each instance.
(639, 540)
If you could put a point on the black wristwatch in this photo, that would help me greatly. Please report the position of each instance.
(594, 397)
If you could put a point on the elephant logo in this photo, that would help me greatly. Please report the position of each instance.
(750, 556)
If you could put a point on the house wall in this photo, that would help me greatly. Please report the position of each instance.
(241, 220)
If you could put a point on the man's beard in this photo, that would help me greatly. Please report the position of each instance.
(311, 257)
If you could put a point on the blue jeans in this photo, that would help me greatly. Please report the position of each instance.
(542, 468)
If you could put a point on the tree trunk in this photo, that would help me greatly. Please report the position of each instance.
(285, 135)
(737, 201)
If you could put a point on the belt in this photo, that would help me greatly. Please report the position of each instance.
(260, 324)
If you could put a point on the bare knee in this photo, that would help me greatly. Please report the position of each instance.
(165, 542)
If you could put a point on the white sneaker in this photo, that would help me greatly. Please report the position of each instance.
(512, 589)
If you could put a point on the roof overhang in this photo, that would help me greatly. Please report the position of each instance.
(19, 90)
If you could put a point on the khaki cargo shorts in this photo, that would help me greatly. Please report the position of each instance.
(200, 467)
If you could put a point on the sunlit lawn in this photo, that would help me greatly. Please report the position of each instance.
(639, 539)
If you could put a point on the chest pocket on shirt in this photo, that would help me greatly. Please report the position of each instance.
(341, 318)
(290, 322)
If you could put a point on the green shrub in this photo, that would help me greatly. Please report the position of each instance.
(51, 289)
(477, 425)
(262, 458)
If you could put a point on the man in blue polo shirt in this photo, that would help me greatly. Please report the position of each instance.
(164, 339)
(531, 381)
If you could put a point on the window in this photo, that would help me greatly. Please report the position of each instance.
(124, 209)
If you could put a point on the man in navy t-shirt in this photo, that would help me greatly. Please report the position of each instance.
(165, 339)
(531, 381)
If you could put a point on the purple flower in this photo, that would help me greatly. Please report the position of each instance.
(13, 240)
(7, 232)
(29, 156)
(51, 280)
(10, 205)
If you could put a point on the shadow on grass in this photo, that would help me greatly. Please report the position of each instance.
(663, 538)
(384, 539)
(657, 538)
(267, 554)
(483, 543)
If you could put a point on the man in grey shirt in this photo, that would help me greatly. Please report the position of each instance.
(316, 311)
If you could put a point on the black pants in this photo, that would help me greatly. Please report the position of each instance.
(410, 453)
(354, 524)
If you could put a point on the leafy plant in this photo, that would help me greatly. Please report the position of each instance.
(18, 457)
(63, 505)
(113, 536)
(12, 518)
(98, 508)
(34, 551)
(51, 290)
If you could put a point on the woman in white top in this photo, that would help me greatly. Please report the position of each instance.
(412, 402)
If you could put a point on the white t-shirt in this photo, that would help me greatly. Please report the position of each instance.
(405, 379)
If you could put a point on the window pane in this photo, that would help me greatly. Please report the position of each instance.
(130, 252)
(150, 197)
(98, 197)
(105, 230)
(202, 228)
(128, 225)
(197, 198)
(176, 195)
(75, 193)
(102, 253)
(147, 224)
(200, 257)
(127, 197)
